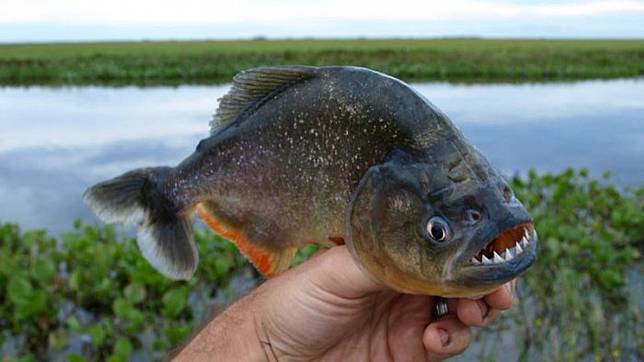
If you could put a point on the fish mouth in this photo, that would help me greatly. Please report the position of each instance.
(511, 244)
(501, 259)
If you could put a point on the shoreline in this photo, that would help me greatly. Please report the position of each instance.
(215, 62)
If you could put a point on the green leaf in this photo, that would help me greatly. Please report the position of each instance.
(97, 332)
(135, 317)
(222, 266)
(44, 270)
(135, 293)
(36, 305)
(174, 301)
(73, 324)
(123, 348)
(28, 358)
(121, 307)
(124, 309)
(58, 339)
(73, 357)
(177, 334)
(19, 290)
(75, 280)
(27, 301)
(610, 279)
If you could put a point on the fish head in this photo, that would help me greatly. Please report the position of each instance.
(420, 227)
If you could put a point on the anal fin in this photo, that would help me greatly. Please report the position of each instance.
(268, 262)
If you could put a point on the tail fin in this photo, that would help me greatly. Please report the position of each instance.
(165, 235)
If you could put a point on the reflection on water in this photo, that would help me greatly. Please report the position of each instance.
(54, 142)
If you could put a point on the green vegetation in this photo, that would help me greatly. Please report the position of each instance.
(89, 295)
(575, 302)
(93, 290)
(204, 62)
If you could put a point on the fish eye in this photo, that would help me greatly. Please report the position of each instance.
(438, 229)
(472, 216)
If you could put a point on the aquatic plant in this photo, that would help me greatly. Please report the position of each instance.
(89, 295)
(576, 302)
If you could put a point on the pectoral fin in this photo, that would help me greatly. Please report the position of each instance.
(268, 262)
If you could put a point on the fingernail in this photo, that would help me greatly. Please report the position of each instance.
(484, 309)
(510, 287)
(444, 336)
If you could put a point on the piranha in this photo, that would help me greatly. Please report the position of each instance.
(332, 155)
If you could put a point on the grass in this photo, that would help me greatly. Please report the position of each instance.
(90, 295)
(206, 62)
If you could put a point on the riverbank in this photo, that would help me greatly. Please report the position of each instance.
(209, 62)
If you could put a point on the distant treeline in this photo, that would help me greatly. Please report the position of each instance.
(207, 62)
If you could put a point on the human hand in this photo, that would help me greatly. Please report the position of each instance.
(331, 309)
(328, 308)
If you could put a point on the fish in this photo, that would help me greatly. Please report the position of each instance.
(332, 155)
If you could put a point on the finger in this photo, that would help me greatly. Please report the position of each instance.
(501, 298)
(446, 337)
(337, 272)
(476, 313)
(472, 312)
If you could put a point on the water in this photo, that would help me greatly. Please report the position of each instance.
(54, 142)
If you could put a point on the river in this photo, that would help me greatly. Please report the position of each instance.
(55, 142)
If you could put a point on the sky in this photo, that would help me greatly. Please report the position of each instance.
(82, 20)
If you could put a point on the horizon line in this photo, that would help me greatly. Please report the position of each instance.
(259, 38)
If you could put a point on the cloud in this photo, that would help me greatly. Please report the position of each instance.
(199, 11)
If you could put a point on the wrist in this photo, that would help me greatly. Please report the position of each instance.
(233, 335)
(263, 338)
(247, 343)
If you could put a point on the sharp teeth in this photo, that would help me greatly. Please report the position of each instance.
(519, 249)
(524, 242)
(475, 261)
(497, 258)
(508, 255)
(486, 260)
(526, 235)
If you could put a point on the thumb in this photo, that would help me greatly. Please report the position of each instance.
(336, 271)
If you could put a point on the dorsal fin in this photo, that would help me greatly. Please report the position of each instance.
(252, 85)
